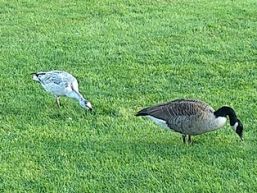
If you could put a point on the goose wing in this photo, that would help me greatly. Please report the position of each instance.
(55, 78)
(58, 83)
(175, 109)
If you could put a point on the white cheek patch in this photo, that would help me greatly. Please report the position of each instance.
(235, 126)
(160, 122)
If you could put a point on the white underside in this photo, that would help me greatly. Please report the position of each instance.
(57, 90)
(218, 123)
(160, 122)
(198, 127)
(61, 89)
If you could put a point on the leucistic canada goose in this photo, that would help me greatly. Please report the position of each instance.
(60, 83)
(192, 117)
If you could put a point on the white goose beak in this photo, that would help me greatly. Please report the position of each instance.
(89, 106)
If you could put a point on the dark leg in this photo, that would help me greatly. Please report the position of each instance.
(184, 138)
(189, 139)
(58, 101)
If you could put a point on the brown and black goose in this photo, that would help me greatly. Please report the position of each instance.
(192, 117)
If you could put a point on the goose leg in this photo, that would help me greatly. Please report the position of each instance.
(184, 138)
(58, 101)
(189, 139)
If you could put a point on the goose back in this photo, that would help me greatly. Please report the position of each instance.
(57, 82)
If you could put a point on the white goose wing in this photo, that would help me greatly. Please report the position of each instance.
(57, 82)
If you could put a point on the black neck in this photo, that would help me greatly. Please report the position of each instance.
(227, 111)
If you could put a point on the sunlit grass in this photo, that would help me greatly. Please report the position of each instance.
(126, 55)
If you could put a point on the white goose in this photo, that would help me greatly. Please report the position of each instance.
(60, 83)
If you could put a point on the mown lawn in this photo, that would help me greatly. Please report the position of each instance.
(126, 55)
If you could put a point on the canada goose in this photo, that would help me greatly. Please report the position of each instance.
(60, 83)
(192, 117)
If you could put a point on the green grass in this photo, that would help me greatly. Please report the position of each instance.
(126, 55)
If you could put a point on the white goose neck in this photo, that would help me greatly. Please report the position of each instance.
(75, 95)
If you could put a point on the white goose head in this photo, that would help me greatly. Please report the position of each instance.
(86, 104)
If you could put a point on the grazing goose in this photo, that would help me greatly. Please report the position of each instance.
(192, 117)
(60, 83)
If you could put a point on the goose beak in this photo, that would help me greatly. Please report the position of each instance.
(239, 129)
(89, 106)
(241, 137)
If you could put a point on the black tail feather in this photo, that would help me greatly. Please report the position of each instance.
(142, 112)
(37, 73)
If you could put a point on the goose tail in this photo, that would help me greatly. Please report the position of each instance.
(35, 76)
(143, 112)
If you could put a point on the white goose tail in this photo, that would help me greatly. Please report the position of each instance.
(34, 77)
(36, 74)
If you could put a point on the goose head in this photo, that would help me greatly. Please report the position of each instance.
(86, 104)
(235, 123)
(238, 127)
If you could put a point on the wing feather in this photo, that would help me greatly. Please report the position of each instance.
(176, 108)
